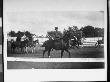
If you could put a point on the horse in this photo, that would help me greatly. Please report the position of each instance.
(13, 46)
(31, 46)
(73, 43)
(76, 43)
(98, 43)
(60, 44)
(80, 42)
(19, 45)
(10, 48)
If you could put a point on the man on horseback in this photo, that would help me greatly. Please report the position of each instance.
(73, 38)
(57, 38)
(58, 35)
(79, 39)
(57, 41)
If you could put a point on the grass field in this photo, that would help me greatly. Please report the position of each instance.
(86, 52)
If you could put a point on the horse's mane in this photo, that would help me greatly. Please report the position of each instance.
(66, 36)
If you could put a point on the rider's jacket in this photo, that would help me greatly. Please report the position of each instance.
(57, 35)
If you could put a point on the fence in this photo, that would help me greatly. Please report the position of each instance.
(91, 41)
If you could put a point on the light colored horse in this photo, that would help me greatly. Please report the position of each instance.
(31, 46)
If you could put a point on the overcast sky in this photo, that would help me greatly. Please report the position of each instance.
(40, 16)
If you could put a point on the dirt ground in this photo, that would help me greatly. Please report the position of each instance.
(86, 52)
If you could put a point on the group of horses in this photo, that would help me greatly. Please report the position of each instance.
(22, 46)
(63, 44)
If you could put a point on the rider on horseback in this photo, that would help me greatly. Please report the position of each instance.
(57, 41)
(58, 35)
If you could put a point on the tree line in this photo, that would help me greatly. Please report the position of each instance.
(86, 31)
(20, 34)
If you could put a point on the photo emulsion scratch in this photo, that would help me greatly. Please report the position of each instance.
(55, 35)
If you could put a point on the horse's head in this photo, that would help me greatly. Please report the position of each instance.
(66, 36)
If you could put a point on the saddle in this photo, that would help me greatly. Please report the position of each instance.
(59, 43)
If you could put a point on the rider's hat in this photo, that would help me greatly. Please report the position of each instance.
(56, 28)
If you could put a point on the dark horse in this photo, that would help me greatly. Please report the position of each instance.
(18, 44)
(31, 45)
(61, 44)
(74, 43)
(99, 42)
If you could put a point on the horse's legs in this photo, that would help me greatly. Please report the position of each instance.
(17, 49)
(68, 53)
(99, 45)
(96, 44)
(77, 46)
(73, 46)
(81, 45)
(44, 52)
(34, 49)
(31, 49)
(24, 49)
(62, 53)
(13, 50)
(21, 50)
(49, 53)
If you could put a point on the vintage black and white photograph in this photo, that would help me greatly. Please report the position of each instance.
(38, 33)
(55, 34)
